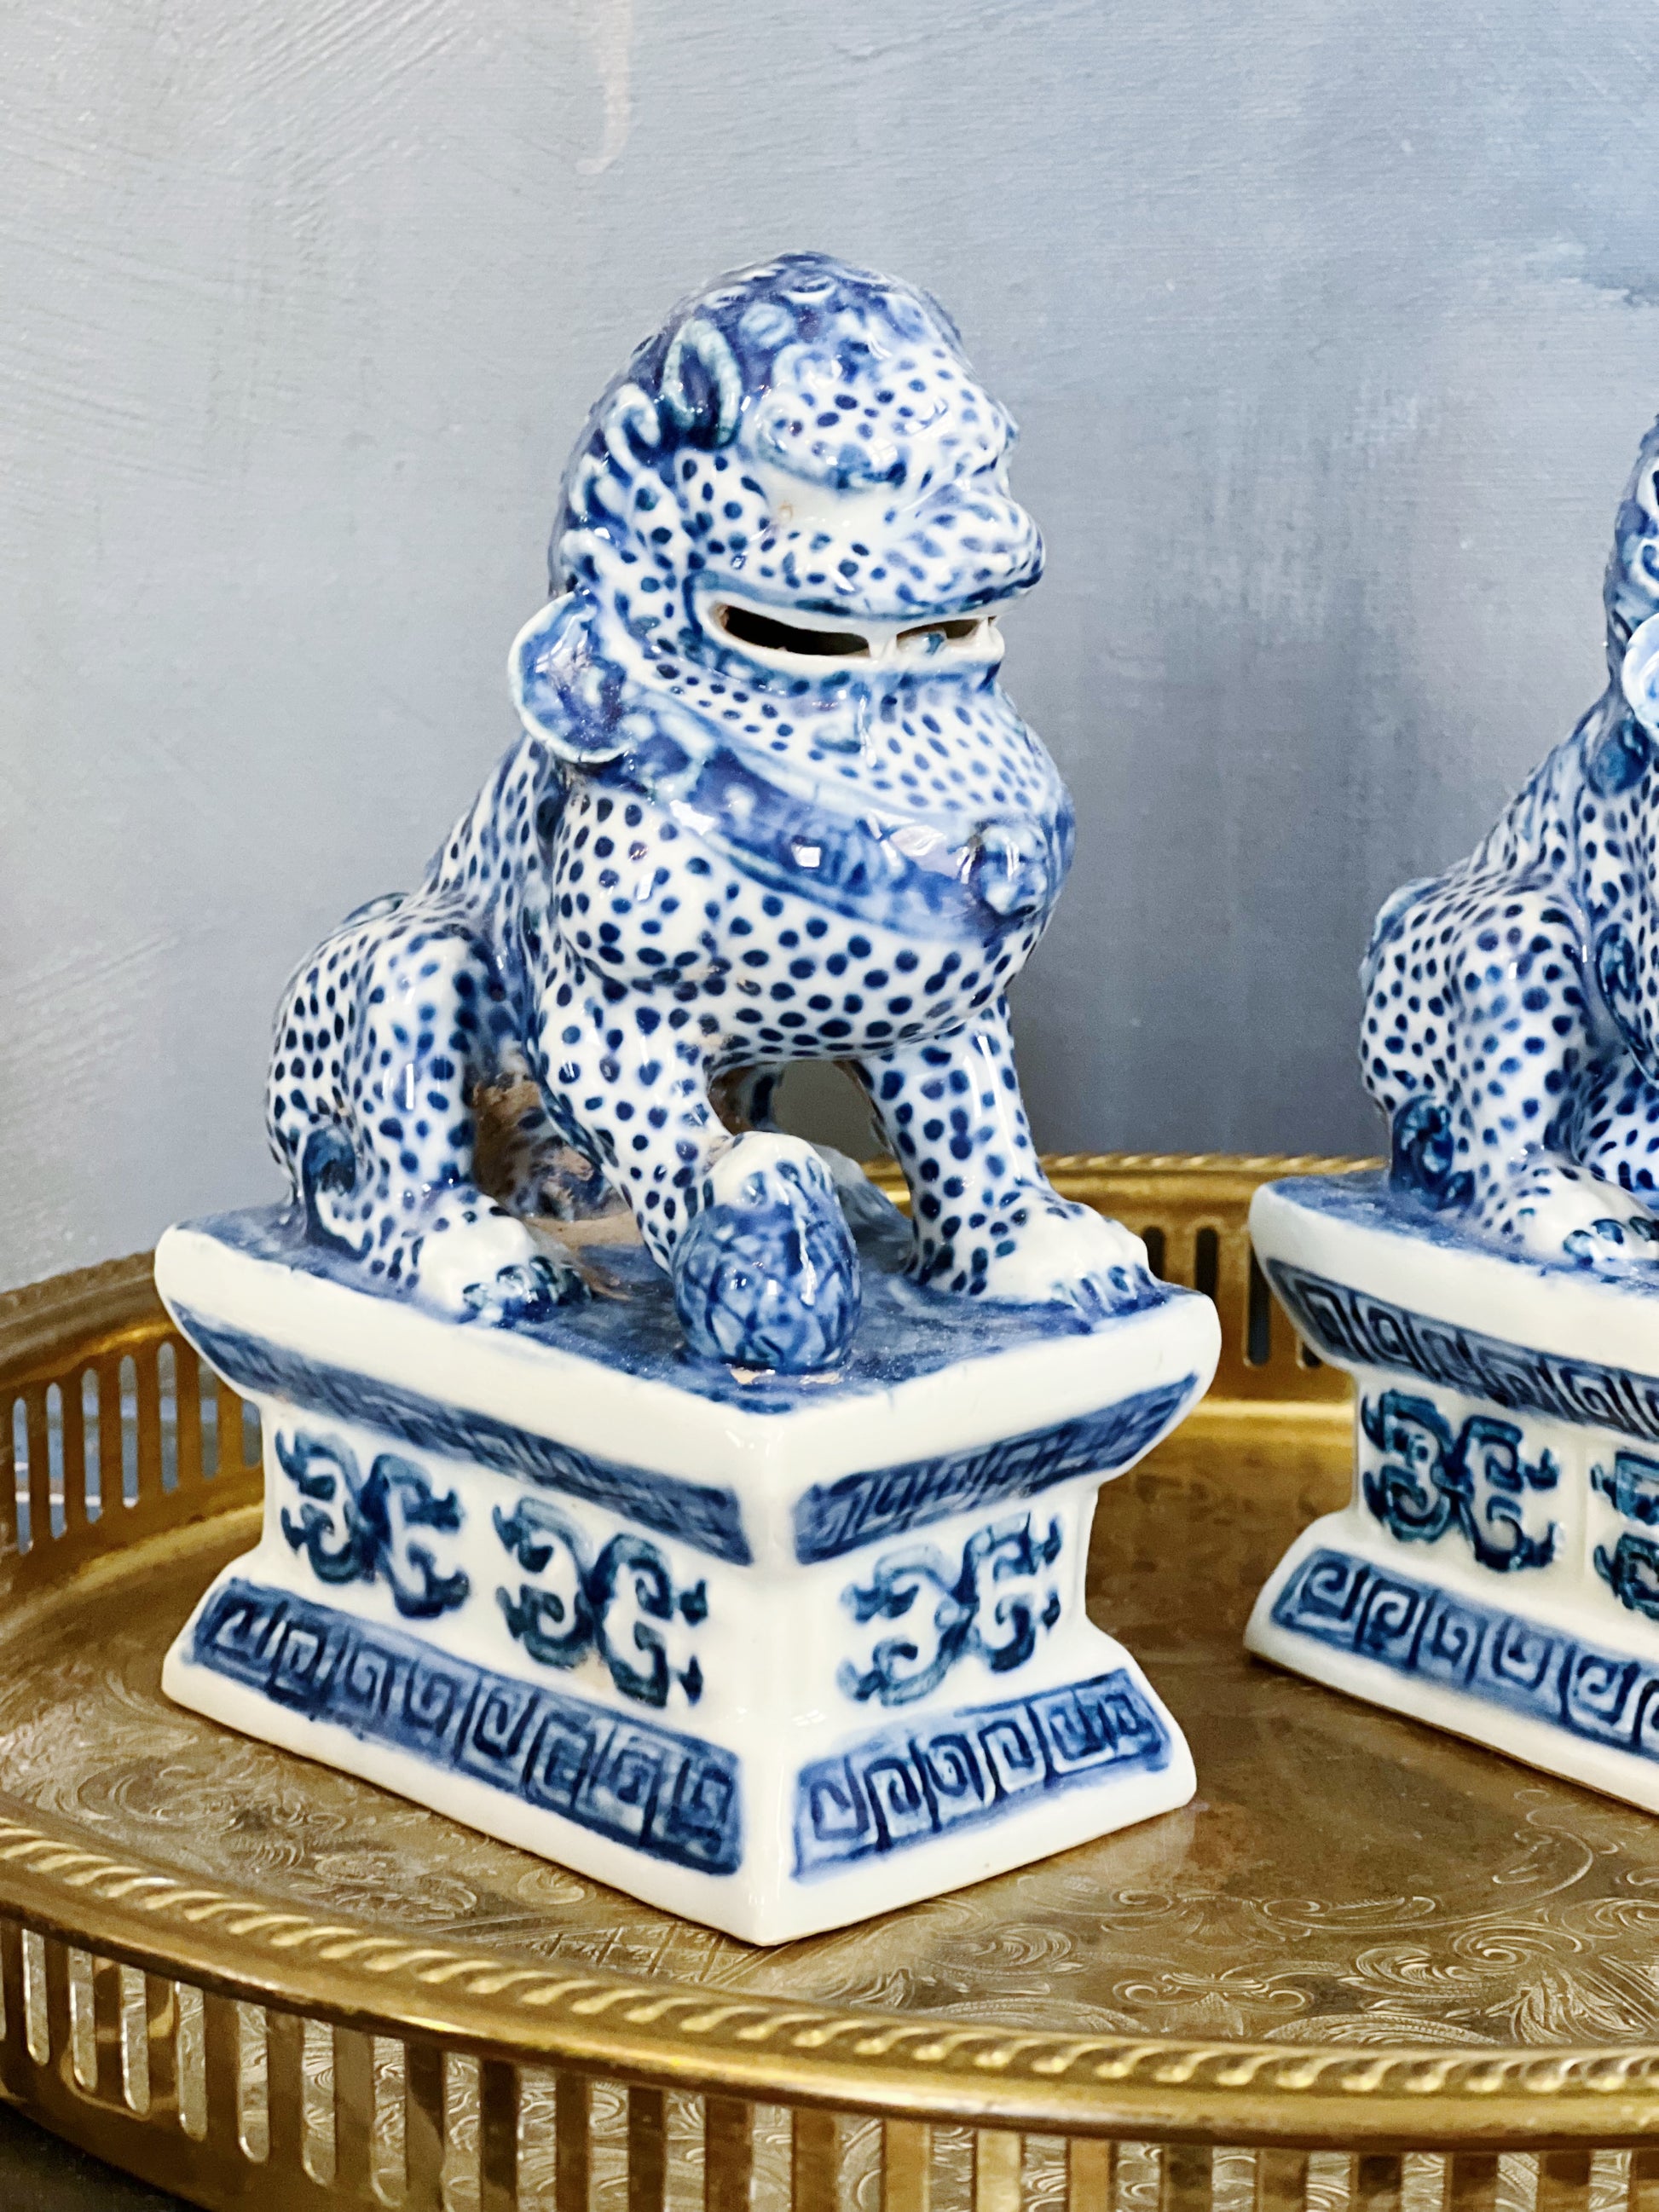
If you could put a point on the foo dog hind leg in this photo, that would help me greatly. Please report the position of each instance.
(1479, 1045)
(987, 1221)
(380, 1048)
(1619, 1122)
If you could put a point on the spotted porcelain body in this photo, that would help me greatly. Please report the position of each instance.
(641, 1486)
(1496, 1293)
(771, 803)
(1511, 1025)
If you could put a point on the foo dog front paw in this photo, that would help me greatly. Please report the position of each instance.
(1052, 1253)
(1556, 1210)
(766, 1276)
(488, 1268)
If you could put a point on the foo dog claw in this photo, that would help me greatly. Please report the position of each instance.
(1617, 1243)
(1066, 1254)
(1603, 1242)
(528, 1292)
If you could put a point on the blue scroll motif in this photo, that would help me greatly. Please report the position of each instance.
(911, 1664)
(358, 1528)
(834, 1517)
(1352, 1327)
(1630, 1570)
(1502, 1658)
(697, 1513)
(618, 1603)
(1632, 1486)
(962, 1769)
(1430, 1482)
(671, 1797)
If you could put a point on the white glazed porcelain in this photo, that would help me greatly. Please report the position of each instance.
(742, 1565)
(1496, 1295)
(1495, 1571)
(775, 1654)
(770, 803)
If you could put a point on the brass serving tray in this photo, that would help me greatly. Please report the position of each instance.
(259, 1983)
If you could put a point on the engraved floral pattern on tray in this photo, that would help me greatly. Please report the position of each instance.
(1344, 1876)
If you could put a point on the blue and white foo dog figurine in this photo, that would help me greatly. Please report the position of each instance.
(1496, 1295)
(736, 1559)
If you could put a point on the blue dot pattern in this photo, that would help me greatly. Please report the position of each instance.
(771, 803)
(1511, 1024)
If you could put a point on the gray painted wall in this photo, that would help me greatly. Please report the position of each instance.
(1331, 327)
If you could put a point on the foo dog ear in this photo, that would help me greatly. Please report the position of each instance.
(561, 693)
(702, 383)
(1639, 677)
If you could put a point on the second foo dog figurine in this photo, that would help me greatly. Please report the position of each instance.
(1497, 1294)
(754, 1584)
(1511, 1031)
(771, 803)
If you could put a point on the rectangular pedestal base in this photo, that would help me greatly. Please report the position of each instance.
(1495, 1571)
(775, 1653)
